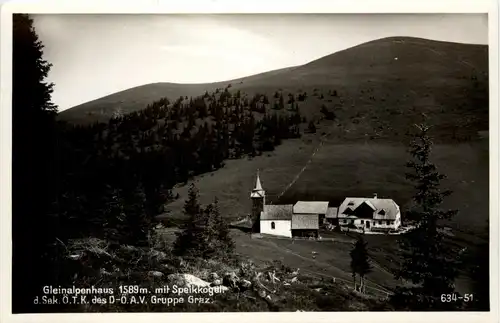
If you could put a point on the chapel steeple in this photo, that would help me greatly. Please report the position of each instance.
(258, 191)
(258, 196)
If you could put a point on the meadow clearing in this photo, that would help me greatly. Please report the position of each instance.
(341, 170)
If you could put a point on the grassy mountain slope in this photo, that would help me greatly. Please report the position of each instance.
(382, 87)
(337, 171)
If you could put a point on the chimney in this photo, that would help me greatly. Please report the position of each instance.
(374, 195)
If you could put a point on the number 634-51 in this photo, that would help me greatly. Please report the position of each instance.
(448, 298)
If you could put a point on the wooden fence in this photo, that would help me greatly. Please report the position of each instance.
(370, 290)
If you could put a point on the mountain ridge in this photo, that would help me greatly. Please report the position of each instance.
(399, 77)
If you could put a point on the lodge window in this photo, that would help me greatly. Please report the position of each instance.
(273, 225)
(380, 222)
(387, 222)
(362, 221)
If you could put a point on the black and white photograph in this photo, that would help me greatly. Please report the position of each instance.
(295, 162)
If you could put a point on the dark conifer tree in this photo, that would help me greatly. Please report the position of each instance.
(429, 263)
(281, 102)
(360, 264)
(191, 240)
(225, 244)
(33, 167)
(137, 224)
(112, 215)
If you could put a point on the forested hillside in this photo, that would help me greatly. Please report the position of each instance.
(377, 90)
(145, 153)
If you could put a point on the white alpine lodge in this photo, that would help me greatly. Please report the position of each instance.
(303, 219)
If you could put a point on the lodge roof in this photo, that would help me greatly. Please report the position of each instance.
(277, 212)
(308, 207)
(383, 209)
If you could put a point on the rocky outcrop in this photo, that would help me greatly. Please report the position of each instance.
(186, 280)
(213, 277)
(159, 255)
(230, 280)
(217, 282)
(245, 283)
(156, 274)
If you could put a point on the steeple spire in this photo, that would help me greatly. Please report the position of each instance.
(258, 185)
(258, 191)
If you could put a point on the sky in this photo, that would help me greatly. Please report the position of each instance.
(97, 55)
